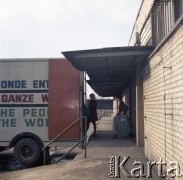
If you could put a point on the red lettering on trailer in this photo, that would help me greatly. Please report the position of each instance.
(44, 97)
(26, 98)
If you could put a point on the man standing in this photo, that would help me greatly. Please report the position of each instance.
(92, 115)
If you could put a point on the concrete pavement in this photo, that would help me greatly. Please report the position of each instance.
(97, 164)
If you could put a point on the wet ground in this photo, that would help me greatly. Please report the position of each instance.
(9, 163)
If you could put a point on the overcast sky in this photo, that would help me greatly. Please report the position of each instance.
(44, 28)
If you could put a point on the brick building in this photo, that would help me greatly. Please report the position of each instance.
(160, 24)
(149, 75)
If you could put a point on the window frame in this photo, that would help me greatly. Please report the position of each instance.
(164, 16)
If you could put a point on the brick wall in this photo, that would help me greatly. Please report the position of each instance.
(163, 102)
(142, 17)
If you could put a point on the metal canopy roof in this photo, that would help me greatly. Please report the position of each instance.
(110, 69)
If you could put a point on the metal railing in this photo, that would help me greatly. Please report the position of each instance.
(83, 138)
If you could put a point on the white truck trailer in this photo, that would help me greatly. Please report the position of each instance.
(39, 98)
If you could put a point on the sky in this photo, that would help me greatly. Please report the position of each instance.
(45, 28)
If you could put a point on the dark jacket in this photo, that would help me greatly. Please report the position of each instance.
(122, 107)
(92, 116)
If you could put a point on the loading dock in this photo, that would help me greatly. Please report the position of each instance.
(111, 72)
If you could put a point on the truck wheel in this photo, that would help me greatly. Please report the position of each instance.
(2, 149)
(27, 151)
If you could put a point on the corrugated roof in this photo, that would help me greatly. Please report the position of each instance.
(110, 69)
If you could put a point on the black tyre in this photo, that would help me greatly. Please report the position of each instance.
(27, 151)
(2, 149)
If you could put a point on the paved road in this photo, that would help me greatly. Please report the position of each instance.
(95, 167)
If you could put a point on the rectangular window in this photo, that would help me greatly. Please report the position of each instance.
(178, 9)
(164, 15)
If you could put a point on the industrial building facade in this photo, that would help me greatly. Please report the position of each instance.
(149, 75)
(160, 24)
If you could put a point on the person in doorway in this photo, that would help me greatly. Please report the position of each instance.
(92, 114)
(122, 109)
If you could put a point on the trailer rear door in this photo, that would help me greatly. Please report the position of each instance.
(63, 100)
